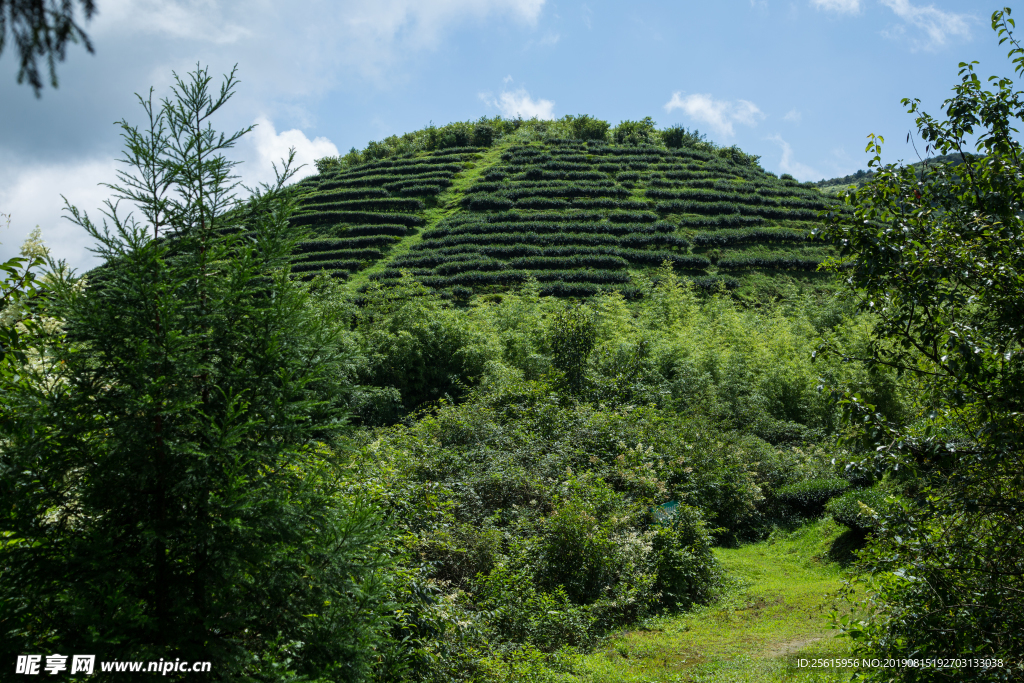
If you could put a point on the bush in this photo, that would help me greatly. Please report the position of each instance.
(860, 509)
(523, 613)
(419, 190)
(809, 497)
(585, 127)
(679, 136)
(318, 203)
(360, 217)
(483, 135)
(489, 202)
(572, 339)
(424, 350)
(770, 263)
(635, 132)
(577, 550)
(687, 571)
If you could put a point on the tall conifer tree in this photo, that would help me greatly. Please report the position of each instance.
(165, 495)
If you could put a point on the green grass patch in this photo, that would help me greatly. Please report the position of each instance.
(773, 612)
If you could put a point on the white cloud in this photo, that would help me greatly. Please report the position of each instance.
(939, 26)
(793, 116)
(367, 38)
(840, 6)
(719, 114)
(520, 103)
(381, 32)
(270, 147)
(31, 195)
(198, 20)
(788, 165)
(746, 113)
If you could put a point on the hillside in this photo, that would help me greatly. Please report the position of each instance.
(579, 217)
(838, 186)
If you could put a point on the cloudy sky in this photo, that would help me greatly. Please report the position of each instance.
(799, 82)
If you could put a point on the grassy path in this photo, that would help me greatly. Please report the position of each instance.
(773, 613)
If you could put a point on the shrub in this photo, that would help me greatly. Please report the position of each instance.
(635, 132)
(770, 263)
(328, 217)
(417, 190)
(328, 264)
(322, 203)
(483, 135)
(523, 613)
(585, 127)
(687, 572)
(570, 290)
(572, 339)
(577, 551)
(810, 496)
(734, 238)
(603, 203)
(373, 230)
(540, 203)
(489, 203)
(677, 136)
(860, 509)
(336, 244)
(352, 254)
(425, 351)
(372, 175)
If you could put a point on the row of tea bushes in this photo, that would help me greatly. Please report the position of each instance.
(357, 215)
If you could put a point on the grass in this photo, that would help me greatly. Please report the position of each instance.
(773, 612)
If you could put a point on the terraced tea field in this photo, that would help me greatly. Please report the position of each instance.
(578, 217)
(359, 214)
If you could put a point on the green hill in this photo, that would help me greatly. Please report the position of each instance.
(838, 186)
(580, 217)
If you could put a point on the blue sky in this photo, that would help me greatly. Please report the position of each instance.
(799, 82)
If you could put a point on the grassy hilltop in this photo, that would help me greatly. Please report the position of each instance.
(473, 208)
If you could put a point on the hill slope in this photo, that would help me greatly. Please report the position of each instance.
(579, 217)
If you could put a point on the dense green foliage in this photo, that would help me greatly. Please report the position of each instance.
(164, 493)
(940, 263)
(861, 510)
(584, 458)
(809, 496)
(352, 429)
